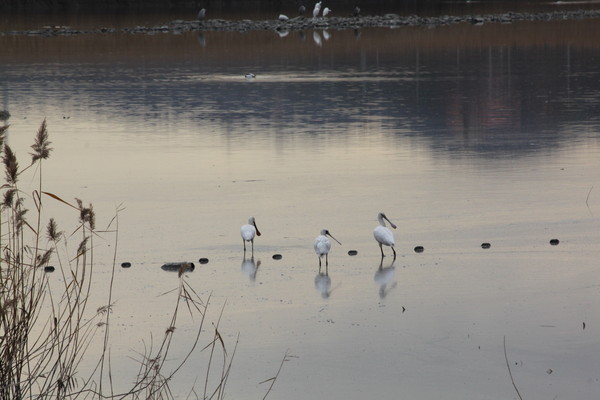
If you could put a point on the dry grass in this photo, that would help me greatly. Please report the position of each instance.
(47, 331)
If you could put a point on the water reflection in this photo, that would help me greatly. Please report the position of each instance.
(385, 278)
(250, 267)
(488, 97)
(323, 283)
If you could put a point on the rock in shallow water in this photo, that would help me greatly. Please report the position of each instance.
(125, 265)
(419, 249)
(485, 245)
(178, 267)
(277, 256)
(554, 242)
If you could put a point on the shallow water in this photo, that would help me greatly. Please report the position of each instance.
(461, 134)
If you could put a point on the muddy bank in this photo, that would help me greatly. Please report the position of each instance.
(302, 23)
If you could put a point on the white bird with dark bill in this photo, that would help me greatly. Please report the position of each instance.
(248, 232)
(383, 235)
(323, 245)
(316, 10)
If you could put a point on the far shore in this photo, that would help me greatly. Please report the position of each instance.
(303, 23)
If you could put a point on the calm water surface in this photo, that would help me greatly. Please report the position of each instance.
(461, 134)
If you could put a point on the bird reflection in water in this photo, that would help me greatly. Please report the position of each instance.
(385, 278)
(249, 267)
(323, 283)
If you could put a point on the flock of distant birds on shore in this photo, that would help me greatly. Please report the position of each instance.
(301, 12)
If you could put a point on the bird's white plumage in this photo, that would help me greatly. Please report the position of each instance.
(322, 244)
(326, 11)
(317, 9)
(248, 232)
(383, 235)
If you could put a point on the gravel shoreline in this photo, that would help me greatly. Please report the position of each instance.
(302, 23)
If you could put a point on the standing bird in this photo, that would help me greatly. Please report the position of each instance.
(323, 245)
(383, 235)
(316, 10)
(248, 232)
(201, 14)
(356, 12)
(326, 11)
(301, 9)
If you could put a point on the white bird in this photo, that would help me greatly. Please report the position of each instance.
(250, 75)
(326, 11)
(201, 14)
(323, 245)
(283, 17)
(383, 235)
(248, 232)
(317, 9)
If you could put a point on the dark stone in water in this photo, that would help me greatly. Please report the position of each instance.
(352, 252)
(178, 266)
(203, 260)
(485, 245)
(419, 249)
(125, 265)
(277, 256)
(554, 242)
(49, 268)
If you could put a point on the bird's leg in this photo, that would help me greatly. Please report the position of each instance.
(252, 242)
(326, 260)
(243, 241)
(394, 253)
(319, 263)
(381, 248)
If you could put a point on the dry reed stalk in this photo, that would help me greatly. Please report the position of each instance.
(46, 331)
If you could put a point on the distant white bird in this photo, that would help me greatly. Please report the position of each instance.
(250, 75)
(383, 235)
(323, 245)
(283, 17)
(326, 11)
(201, 14)
(316, 10)
(248, 232)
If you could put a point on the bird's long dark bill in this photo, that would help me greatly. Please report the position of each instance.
(258, 232)
(333, 238)
(391, 223)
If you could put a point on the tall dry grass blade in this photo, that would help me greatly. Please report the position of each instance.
(59, 199)
(509, 371)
